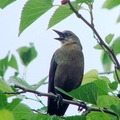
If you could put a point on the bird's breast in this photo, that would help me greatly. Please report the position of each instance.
(69, 54)
(70, 67)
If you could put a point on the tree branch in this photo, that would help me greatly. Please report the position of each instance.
(99, 110)
(81, 105)
(117, 75)
(109, 72)
(101, 42)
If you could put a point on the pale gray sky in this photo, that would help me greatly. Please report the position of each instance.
(105, 23)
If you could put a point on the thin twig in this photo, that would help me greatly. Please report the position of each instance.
(99, 110)
(91, 13)
(102, 73)
(117, 75)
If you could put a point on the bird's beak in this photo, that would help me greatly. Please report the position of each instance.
(61, 35)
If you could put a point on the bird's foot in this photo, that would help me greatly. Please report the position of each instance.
(82, 106)
(59, 100)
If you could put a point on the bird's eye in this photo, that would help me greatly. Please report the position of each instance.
(68, 34)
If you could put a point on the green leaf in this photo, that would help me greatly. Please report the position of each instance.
(4, 3)
(41, 82)
(61, 13)
(109, 4)
(106, 62)
(116, 46)
(42, 109)
(106, 101)
(118, 19)
(32, 10)
(113, 85)
(77, 117)
(109, 38)
(53, 118)
(27, 54)
(6, 115)
(90, 76)
(100, 116)
(4, 86)
(13, 62)
(98, 47)
(104, 78)
(23, 112)
(115, 76)
(87, 93)
(102, 87)
(19, 81)
(3, 100)
(62, 91)
(5, 104)
(13, 104)
(4, 65)
(85, 1)
(116, 109)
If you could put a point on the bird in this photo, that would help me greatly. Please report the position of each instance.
(66, 70)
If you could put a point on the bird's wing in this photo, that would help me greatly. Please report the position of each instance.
(53, 67)
(52, 106)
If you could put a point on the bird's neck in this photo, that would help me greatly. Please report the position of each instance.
(68, 43)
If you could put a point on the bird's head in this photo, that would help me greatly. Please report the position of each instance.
(67, 37)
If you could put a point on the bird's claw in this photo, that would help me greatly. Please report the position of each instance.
(59, 100)
(82, 106)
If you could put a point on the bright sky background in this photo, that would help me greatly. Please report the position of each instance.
(37, 33)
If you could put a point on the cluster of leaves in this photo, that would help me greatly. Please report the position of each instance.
(97, 91)
(16, 110)
(34, 9)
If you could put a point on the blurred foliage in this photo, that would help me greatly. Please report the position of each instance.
(27, 54)
(5, 3)
(96, 90)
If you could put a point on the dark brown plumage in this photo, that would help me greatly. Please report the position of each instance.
(66, 70)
